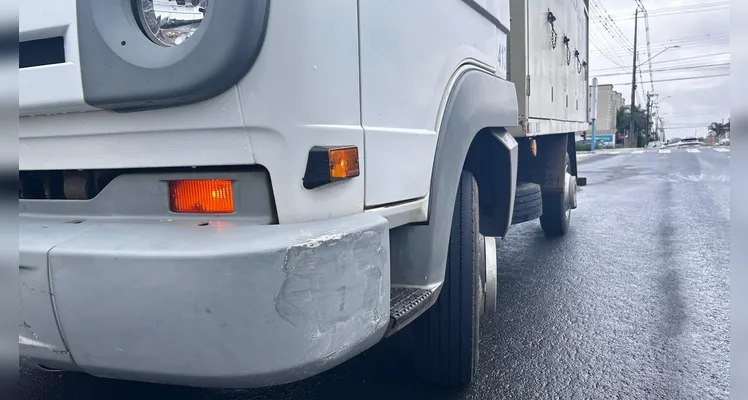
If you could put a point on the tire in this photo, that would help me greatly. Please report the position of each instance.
(528, 203)
(446, 335)
(555, 220)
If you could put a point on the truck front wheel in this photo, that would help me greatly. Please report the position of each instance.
(557, 206)
(446, 335)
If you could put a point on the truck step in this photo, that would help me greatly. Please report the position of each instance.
(528, 203)
(406, 304)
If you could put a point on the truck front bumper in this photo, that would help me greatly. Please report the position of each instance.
(221, 305)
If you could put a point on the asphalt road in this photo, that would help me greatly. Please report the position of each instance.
(632, 303)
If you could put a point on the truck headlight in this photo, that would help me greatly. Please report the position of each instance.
(170, 22)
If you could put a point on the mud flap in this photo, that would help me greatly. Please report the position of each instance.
(549, 173)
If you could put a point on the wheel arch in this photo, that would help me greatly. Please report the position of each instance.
(471, 136)
(492, 159)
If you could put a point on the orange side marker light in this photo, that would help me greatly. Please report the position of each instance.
(201, 196)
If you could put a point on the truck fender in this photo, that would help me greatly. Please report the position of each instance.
(479, 106)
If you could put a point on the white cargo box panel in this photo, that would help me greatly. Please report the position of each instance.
(548, 64)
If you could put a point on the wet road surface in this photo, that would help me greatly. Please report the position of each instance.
(632, 303)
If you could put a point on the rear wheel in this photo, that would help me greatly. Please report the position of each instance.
(528, 203)
(557, 206)
(446, 335)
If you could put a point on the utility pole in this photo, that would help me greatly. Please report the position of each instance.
(633, 78)
(649, 107)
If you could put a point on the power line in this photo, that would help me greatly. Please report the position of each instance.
(693, 124)
(705, 112)
(594, 41)
(684, 41)
(705, 126)
(601, 15)
(672, 69)
(609, 25)
(674, 60)
(691, 41)
(624, 18)
(688, 41)
(693, 44)
(697, 37)
(603, 49)
(687, 9)
(675, 79)
(692, 57)
(683, 7)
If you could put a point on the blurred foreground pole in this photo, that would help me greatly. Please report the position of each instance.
(593, 110)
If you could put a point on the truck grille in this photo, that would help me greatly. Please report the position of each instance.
(35, 53)
(63, 185)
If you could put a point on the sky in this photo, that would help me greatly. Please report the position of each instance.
(700, 28)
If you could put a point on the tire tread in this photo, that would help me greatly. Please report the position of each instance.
(446, 349)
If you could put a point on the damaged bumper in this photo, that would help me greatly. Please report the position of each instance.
(224, 305)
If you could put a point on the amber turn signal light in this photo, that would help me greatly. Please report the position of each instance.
(330, 164)
(201, 196)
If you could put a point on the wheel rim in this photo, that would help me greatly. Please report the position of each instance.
(567, 193)
(482, 271)
(491, 287)
(573, 193)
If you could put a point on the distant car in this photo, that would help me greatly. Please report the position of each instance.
(655, 144)
(690, 142)
(724, 142)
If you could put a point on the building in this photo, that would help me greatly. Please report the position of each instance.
(618, 100)
(608, 103)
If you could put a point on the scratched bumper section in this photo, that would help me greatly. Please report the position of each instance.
(223, 306)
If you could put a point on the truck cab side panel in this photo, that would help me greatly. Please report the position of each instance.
(407, 70)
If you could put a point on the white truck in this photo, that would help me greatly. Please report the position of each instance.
(243, 193)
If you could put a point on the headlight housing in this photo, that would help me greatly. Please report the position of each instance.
(112, 41)
(170, 22)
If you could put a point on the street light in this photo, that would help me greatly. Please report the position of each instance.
(663, 50)
(660, 101)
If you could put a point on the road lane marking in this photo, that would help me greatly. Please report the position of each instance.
(722, 150)
(637, 152)
(693, 150)
(664, 151)
(615, 152)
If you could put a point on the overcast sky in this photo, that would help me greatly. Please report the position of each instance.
(700, 28)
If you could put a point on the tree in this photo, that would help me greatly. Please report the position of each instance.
(623, 121)
(718, 129)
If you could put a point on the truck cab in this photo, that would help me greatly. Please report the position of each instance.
(246, 193)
